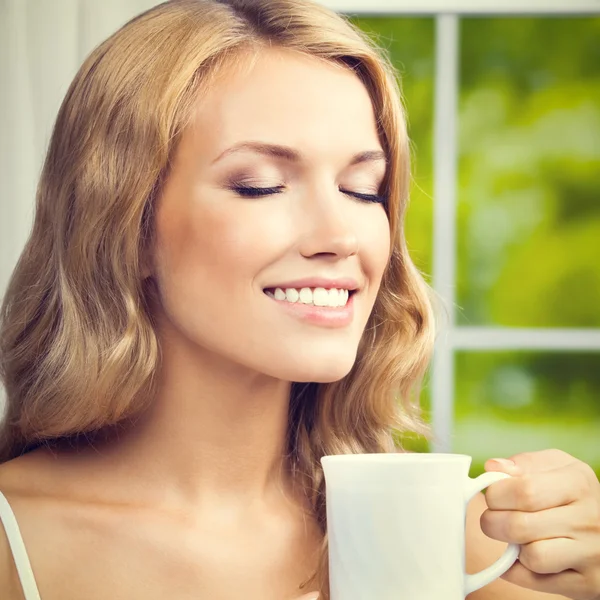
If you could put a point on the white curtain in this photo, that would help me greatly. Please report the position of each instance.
(42, 44)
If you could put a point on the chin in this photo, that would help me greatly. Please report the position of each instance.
(317, 370)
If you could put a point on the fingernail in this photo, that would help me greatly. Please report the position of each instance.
(505, 462)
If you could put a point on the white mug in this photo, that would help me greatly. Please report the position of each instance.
(396, 526)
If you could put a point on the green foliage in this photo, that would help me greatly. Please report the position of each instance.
(529, 193)
(528, 219)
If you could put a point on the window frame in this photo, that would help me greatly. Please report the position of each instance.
(447, 14)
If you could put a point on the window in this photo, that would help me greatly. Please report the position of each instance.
(505, 212)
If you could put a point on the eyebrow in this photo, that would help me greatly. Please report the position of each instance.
(292, 155)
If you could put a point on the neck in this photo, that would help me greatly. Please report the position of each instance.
(214, 431)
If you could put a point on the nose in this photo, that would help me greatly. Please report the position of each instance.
(328, 226)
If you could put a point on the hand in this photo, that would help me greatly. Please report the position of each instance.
(551, 506)
(311, 596)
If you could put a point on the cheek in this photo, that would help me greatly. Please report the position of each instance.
(199, 273)
(208, 257)
(196, 252)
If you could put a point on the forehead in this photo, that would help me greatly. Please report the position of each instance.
(282, 96)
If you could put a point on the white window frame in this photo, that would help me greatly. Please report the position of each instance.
(447, 14)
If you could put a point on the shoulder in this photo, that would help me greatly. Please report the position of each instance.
(18, 482)
(43, 498)
(9, 583)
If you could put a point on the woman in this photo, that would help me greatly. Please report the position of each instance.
(220, 215)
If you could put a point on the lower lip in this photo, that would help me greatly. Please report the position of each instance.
(326, 316)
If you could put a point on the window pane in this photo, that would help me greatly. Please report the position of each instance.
(411, 44)
(529, 184)
(511, 402)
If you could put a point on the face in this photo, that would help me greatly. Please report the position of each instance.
(222, 250)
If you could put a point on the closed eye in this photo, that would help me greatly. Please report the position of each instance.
(367, 197)
(254, 192)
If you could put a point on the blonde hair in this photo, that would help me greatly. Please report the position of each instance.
(78, 349)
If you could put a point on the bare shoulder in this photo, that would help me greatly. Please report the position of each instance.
(482, 551)
(38, 475)
(42, 494)
(9, 585)
(20, 479)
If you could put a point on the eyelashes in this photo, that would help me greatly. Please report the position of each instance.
(255, 192)
(375, 198)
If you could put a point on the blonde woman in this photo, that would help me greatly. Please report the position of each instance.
(215, 294)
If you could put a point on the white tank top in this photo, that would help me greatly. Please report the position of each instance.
(17, 546)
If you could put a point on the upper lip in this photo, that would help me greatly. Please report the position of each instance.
(344, 283)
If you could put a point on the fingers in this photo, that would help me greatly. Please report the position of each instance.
(524, 527)
(539, 491)
(567, 583)
(551, 507)
(549, 557)
(544, 460)
(531, 462)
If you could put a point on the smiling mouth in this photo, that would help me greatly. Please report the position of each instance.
(318, 297)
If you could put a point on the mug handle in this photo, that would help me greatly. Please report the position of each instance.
(505, 562)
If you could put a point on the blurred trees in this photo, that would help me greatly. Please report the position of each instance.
(528, 214)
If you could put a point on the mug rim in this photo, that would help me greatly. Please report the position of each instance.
(446, 457)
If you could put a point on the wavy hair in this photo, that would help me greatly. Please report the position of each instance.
(78, 349)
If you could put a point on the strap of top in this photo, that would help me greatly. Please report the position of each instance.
(17, 546)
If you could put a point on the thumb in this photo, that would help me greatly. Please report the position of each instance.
(505, 465)
(531, 462)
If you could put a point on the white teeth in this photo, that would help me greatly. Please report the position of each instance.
(292, 295)
(334, 298)
(306, 296)
(318, 297)
(321, 297)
